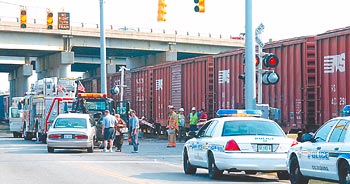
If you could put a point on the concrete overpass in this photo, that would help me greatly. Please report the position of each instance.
(57, 52)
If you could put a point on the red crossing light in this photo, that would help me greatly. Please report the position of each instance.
(271, 61)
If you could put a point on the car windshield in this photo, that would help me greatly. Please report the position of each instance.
(251, 127)
(70, 123)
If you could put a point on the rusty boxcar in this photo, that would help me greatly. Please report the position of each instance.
(333, 50)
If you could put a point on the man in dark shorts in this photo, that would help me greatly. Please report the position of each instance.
(108, 131)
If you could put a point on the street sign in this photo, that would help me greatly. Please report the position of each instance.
(259, 42)
(63, 21)
(259, 29)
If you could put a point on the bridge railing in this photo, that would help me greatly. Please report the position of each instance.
(127, 28)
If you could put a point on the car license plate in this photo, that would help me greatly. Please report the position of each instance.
(67, 136)
(264, 148)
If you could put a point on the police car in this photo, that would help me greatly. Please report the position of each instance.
(237, 141)
(324, 155)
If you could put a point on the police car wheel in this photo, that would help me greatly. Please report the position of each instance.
(214, 172)
(295, 175)
(344, 173)
(188, 168)
(282, 175)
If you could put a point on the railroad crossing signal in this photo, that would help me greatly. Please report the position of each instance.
(271, 61)
(23, 18)
(200, 6)
(49, 19)
(270, 77)
(161, 10)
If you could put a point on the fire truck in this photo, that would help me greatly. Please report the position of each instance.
(94, 104)
(48, 98)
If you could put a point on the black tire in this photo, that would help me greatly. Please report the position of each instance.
(295, 175)
(283, 175)
(251, 172)
(15, 135)
(91, 149)
(214, 172)
(43, 138)
(344, 173)
(50, 149)
(188, 167)
(26, 135)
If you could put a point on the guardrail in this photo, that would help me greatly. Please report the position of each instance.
(128, 28)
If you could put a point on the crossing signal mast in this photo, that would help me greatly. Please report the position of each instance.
(200, 6)
(49, 19)
(23, 18)
(161, 11)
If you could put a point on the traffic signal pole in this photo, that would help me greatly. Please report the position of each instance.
(103, 49)
(260, 76)
(250, 89)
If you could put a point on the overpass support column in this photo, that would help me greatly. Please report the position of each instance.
(56, 65)
(19, 80)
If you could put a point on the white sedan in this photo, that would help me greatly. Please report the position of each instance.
(72, 131)
(235, 144)
(324, 155)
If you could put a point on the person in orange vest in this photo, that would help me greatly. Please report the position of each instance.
(172, 127)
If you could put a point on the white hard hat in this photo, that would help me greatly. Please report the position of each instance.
(181, 110)
(193, 108)
(170, 106)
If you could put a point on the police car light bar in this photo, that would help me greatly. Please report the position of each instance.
(238, 113)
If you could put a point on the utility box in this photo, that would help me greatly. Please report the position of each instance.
(264, 109)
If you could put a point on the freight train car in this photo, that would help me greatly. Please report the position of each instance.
(185, 83)
(333, 51)
(294, 94)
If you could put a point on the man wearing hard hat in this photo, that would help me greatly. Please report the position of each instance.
(182, 126)
(172, 126)
(193, 117)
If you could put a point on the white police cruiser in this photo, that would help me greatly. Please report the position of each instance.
(324, 155)
(239, 142)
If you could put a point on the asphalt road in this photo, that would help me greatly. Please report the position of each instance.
(27, 162)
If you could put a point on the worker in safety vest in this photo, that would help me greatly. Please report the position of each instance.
(182, 125)
(193, 117)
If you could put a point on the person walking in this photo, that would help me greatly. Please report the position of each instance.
(172, 126)
(134, 130)
(182, 126)
(193, 117)
(108, 130)
(119, 134)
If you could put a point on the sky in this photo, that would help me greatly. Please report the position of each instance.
(282, 18)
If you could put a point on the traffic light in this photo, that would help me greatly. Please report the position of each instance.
(257, 60)
(49, 19)
(161, 10)
(200, 6)
(269, 77)
(23, 18)
(270, 60)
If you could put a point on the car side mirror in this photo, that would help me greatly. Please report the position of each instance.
(308, 137)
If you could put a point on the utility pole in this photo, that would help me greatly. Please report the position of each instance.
(250, 89)
(103, 49)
